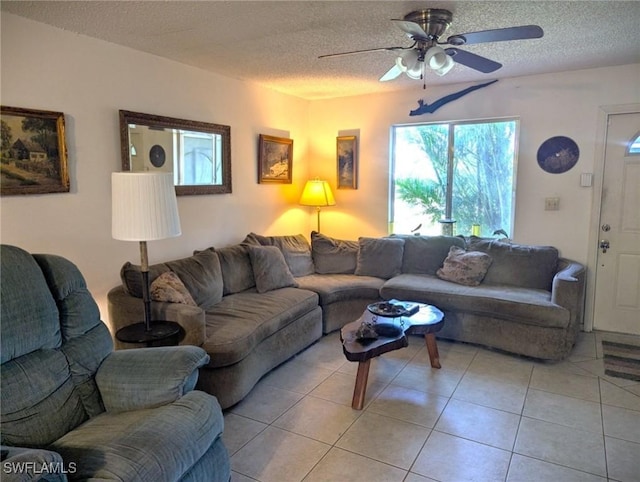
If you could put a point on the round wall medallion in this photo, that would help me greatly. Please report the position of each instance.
(558, 154)
(157, 155)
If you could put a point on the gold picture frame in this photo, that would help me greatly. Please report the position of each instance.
(33, 157)
(347, 162)
(275, 160)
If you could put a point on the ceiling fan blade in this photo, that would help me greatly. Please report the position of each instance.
(412, 29)
(393, 73)
(364, 51)
(473, 61)
(497, 35)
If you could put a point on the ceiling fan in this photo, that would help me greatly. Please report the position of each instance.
(425, 27)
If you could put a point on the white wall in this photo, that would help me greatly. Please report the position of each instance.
(90, 80)
(549, 105)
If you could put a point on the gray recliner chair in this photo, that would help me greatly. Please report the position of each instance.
(73, 409)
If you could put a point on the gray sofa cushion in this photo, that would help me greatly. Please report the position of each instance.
(200, 273)
(240, 322)
(270, 270)
(425, 254)
(516, 264)
(333, 256)
(379, 257)
(340, 287)
(295, 248)
(237, 272)
(523, 305)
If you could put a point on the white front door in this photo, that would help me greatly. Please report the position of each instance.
(617, 290)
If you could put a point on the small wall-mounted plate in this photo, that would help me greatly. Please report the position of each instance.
(558, 154)
(157, 155)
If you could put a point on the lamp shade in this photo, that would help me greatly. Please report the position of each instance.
(143, 206)
(317, 193)
(410, 64)
(448, 65)
(435, 58)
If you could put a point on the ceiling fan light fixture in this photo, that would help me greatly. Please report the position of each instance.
(408, 61)
(436, 58)
(448, 65)
(416, 72)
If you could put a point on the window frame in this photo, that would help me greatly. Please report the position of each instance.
(450, 164)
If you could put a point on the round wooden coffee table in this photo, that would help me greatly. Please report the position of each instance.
(427, 321)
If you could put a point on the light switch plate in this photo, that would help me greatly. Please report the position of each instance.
(551, 203)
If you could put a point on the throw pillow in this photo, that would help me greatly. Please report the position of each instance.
(237, 272)
(333, 256)
(168, 287)
(200, 273)
(425, 254)
(379, 257)
(270, 269)
(464, 267)
(295, 248)
(131, 276)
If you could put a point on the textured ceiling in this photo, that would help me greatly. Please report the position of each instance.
(277, 44)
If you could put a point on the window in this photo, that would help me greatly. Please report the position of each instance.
(633, 148)
(199, 156)
(462, 171)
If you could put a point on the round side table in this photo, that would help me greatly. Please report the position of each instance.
(161, 333)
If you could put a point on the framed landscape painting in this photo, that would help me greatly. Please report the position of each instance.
(34, 154)
(275, 159)
(347, 154)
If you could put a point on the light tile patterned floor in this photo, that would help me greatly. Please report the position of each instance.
(485, 416)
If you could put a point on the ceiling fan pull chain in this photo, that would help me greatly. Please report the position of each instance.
(424, 75)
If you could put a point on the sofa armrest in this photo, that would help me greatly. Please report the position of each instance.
(148, 377)
(27, 464)
(568, 288)
(125, 310)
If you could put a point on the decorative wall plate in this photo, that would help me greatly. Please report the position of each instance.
(558, 154)
(157, 155)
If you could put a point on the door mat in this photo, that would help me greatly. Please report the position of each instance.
(621, 360)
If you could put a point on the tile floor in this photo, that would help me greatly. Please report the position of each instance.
(485, 416)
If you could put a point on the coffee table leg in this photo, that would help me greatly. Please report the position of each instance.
(360, 389)
(432, 348)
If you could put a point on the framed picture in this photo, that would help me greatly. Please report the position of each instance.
(347, 154)
(275, 160)
(34, 154)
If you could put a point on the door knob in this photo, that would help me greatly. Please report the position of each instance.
(606, 227)
(604, 245)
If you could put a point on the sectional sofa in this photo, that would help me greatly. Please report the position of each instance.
(253, 305)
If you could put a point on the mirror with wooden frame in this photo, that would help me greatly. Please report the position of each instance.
(197, 153)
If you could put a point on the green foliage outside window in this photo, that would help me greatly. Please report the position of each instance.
(480, 162)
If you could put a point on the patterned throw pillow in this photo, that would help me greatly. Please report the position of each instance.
(464, 267)
(168, 287)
